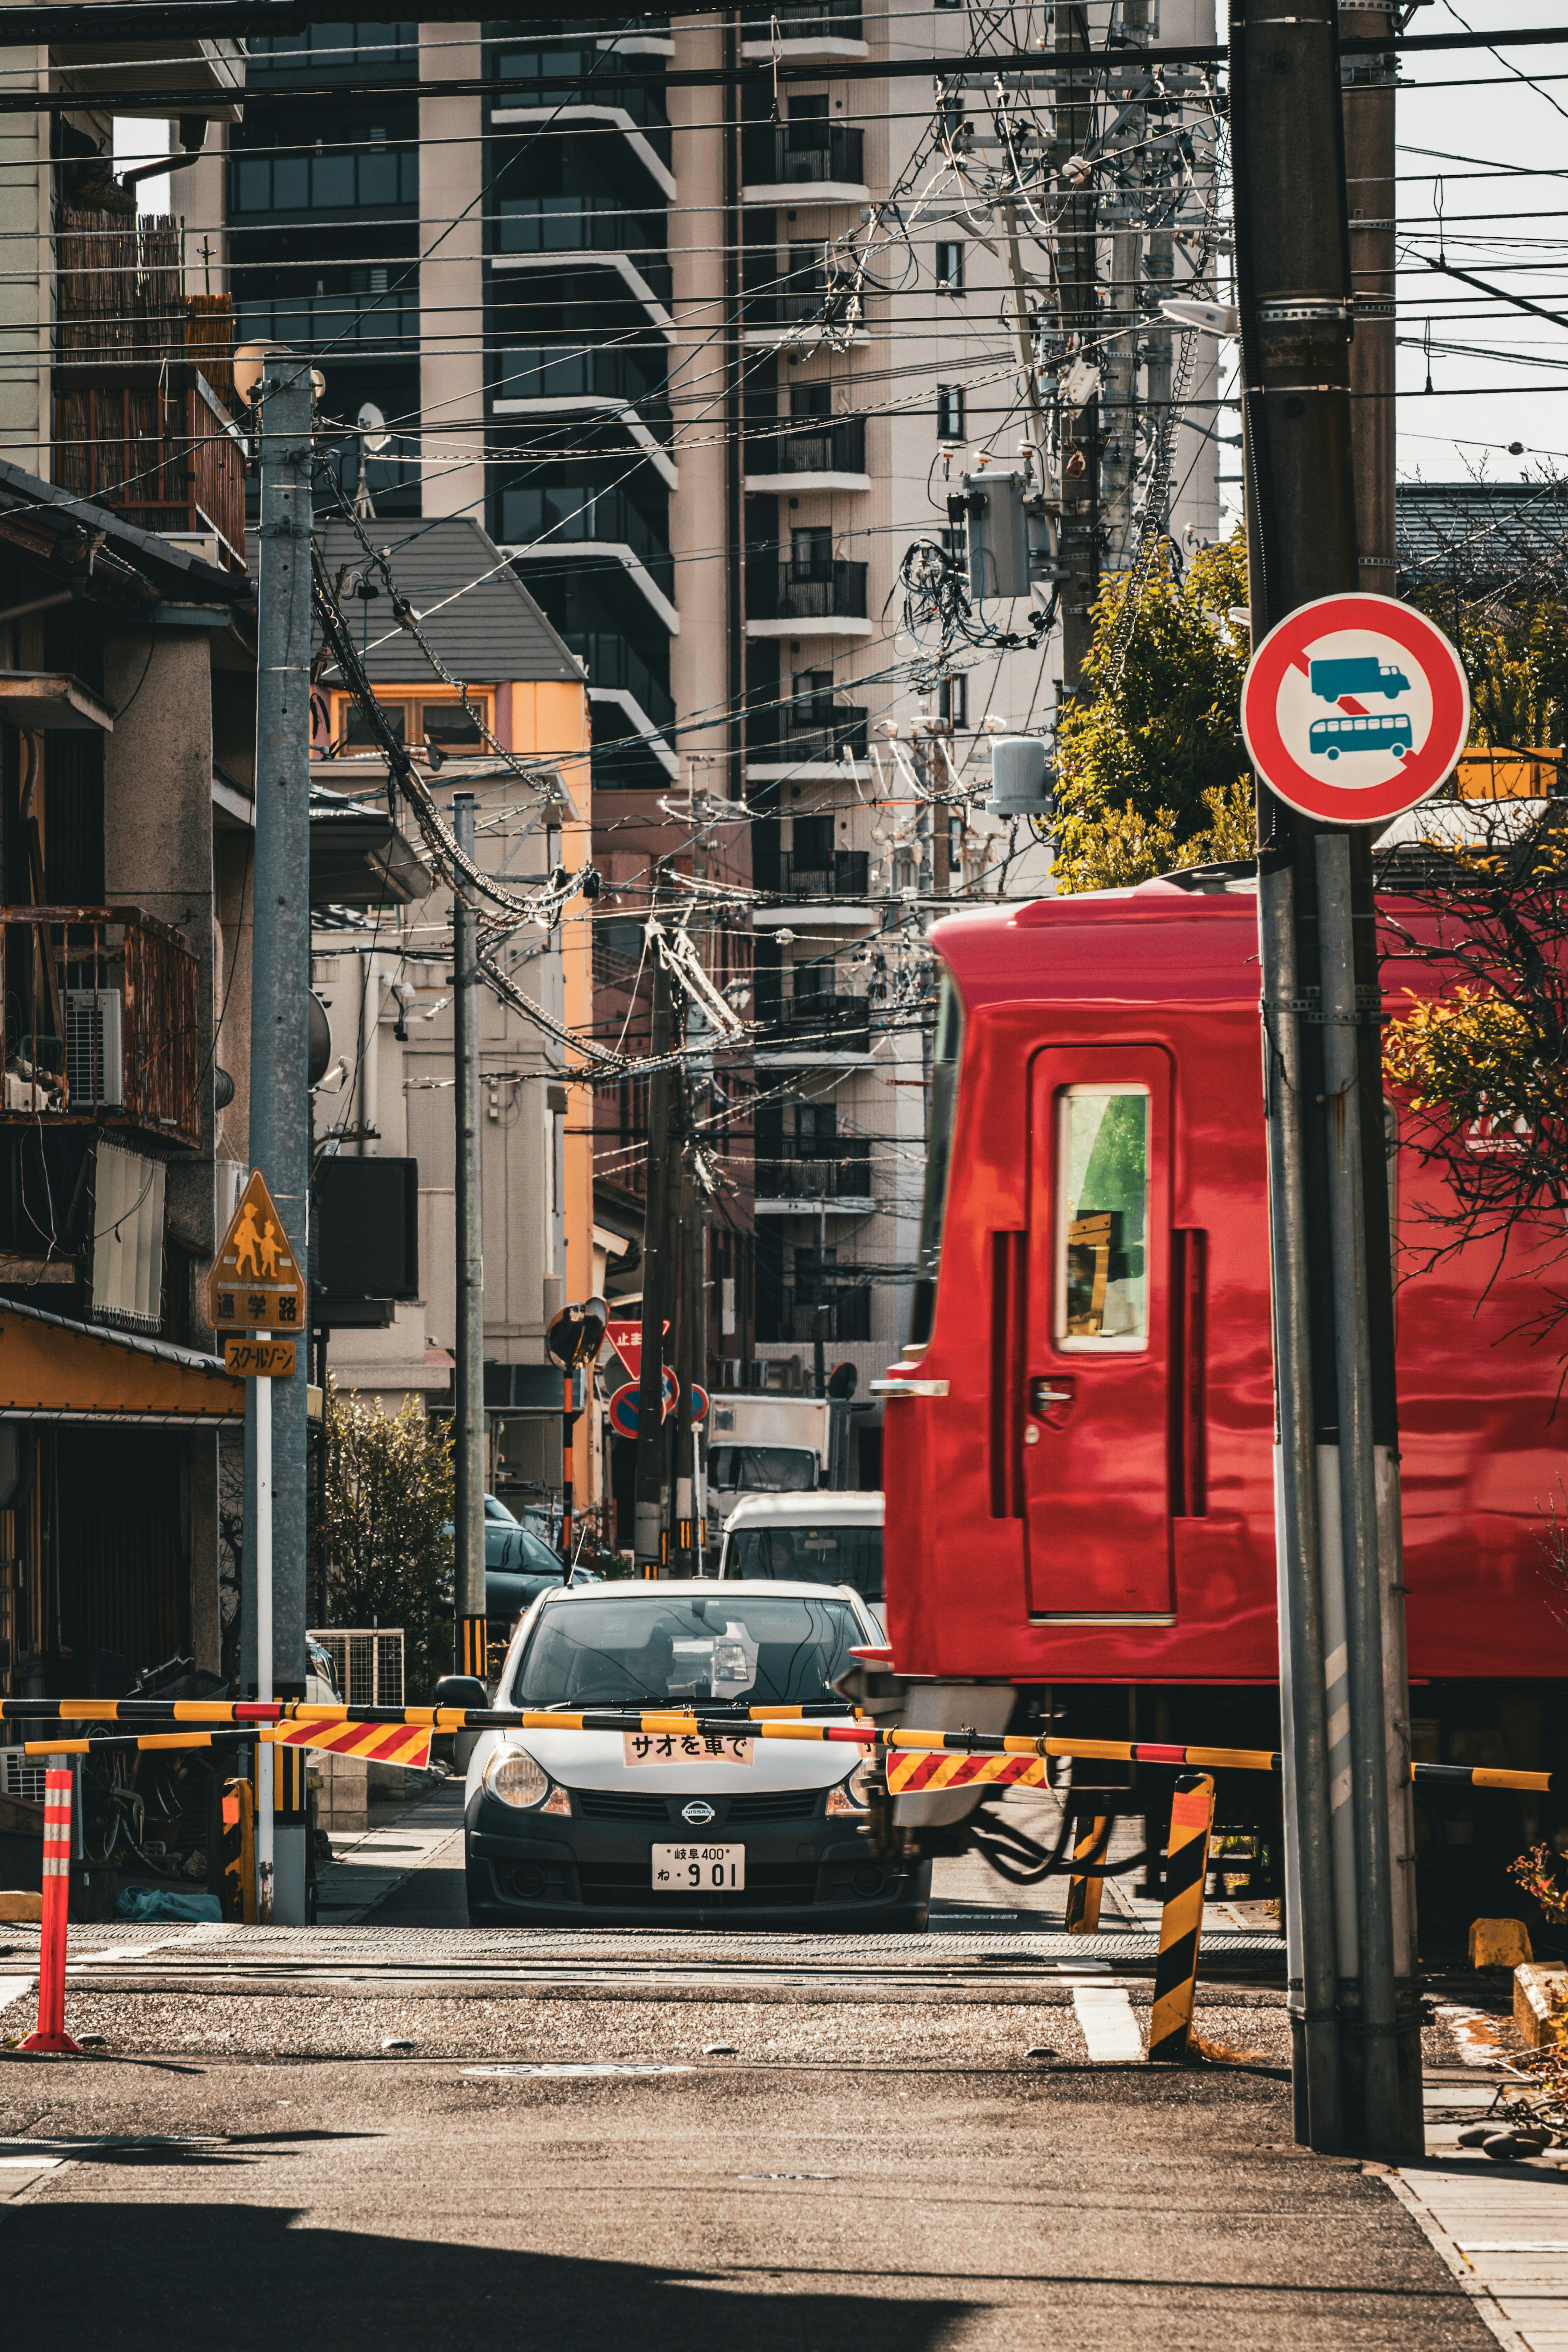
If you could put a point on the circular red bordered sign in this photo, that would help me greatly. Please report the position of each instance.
(1355, 708)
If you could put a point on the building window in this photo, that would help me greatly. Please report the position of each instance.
(949, 267)
(949, 411)
(953, 702)
(415, 720)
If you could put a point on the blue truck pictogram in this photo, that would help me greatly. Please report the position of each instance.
(1357, 674)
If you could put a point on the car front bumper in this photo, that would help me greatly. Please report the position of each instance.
(544, 1869)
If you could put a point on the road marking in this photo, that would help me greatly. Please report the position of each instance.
(579, 2066)
(13, 1988)
(1110, 2028)
(30, 2163)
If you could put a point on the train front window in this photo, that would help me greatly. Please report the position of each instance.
(1102, 1215)
(938, 1160)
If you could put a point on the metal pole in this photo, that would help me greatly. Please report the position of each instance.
(689, 1559)
(1310, 1920)
(1358, 1493)
(280, 982)
(260, 1403)
(1078, 483)
(468, 1513)
(649, 1529)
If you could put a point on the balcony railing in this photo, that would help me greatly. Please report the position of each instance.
(799, 154)
(613, 663)
(813, 731)
(805, 593)
(590, 223)
(836, 446)
(556, 78)
(544, 371)
(804, 20)
(808, 1177)
(101, 1024)
(847, 878)
(563, 512)
(839, 1024)
(848, 1317)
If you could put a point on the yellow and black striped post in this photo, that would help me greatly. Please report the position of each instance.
(1181, 1921)
(472, 1646)
(1083, 1894)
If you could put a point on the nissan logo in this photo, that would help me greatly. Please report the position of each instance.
(698, 1813)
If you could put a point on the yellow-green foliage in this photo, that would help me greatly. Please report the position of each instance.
(1518, 667)
(1470, 1056)
(1151, 771)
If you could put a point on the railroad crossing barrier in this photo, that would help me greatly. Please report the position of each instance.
(51, 2034)
(1181, 1921)
(1083, 1892)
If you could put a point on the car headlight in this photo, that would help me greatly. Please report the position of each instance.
(853, 1795)
(516, 1778)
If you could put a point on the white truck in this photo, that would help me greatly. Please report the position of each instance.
(764, 1444)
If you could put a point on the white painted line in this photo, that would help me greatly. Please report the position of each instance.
(1512, 2245)
(30, 2163)
(1110, 2028)
(583, 2066)
(1408, 2189)
(13, 1988)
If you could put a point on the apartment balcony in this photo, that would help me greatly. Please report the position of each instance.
(805, 740)
(543, 86)
(815, 1183)
(142, 378)
(801, 1030)
(804, 29)
(637, 704)
(811, 162)
(101, 1026)
(826, 454)
(542, 523)
(545, 232)
(537, 380)
(820, 599)
(838, 894)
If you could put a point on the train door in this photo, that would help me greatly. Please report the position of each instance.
(1097, 1403)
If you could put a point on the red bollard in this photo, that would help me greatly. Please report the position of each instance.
(51, 2033)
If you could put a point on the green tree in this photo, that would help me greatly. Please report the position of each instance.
(1516, 657)
(388, 1534)
(1151, 770)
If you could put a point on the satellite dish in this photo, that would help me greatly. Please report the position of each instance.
(372, 426)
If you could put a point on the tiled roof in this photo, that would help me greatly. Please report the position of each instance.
(470, 605)
(1481, 536)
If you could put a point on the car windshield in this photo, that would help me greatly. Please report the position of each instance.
(807, 1555)
(625, 1649)
(763, 1469)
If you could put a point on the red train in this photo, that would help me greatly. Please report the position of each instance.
(1078, 1449)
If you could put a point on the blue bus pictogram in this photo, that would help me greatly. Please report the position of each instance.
(1388, 732)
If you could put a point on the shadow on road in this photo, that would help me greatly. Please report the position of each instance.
(245, 2278)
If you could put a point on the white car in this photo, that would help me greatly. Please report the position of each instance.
(833, 1537)
(616, 1829)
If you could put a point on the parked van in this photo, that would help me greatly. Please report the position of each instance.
(824, 1537)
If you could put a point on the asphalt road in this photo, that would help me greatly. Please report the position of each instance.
(753, 2209)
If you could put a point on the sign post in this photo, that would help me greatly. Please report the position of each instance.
(1354, 709)
(255, 1286)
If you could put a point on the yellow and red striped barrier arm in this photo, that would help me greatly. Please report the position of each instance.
(912, 1774)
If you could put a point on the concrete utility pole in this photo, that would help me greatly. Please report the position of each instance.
(468, 1513)
(1355, 2024)
(651, 1519)
(1369, 162)
(280, 1099)
(689, 1366)
(1078, 539)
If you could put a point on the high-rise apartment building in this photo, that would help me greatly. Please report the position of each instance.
(709, 350)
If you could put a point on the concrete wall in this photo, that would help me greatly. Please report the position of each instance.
(24, 297)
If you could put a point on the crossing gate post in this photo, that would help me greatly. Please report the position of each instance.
(51, 2033)
(1083, 1894)
(1181, 1921)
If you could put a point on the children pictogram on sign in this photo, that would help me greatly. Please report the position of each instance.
(255, 1282)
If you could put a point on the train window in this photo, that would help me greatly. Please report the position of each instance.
(938, 1160)
(1102, 1206)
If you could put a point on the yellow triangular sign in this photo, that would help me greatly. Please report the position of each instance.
(255, 1282)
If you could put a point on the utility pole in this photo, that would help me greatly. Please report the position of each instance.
(649, 1524)
(468, 1510)
(279, 1099)
(1368, 84)
(1078, 539)
(688, 1364)
(1356, 2050)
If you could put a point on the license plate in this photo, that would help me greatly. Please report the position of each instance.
(699, 1869)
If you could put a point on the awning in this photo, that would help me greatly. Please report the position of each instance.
(55, 1369)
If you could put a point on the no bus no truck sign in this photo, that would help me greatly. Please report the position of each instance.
(1355, 708)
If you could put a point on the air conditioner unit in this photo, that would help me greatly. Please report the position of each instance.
(95, 1047)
